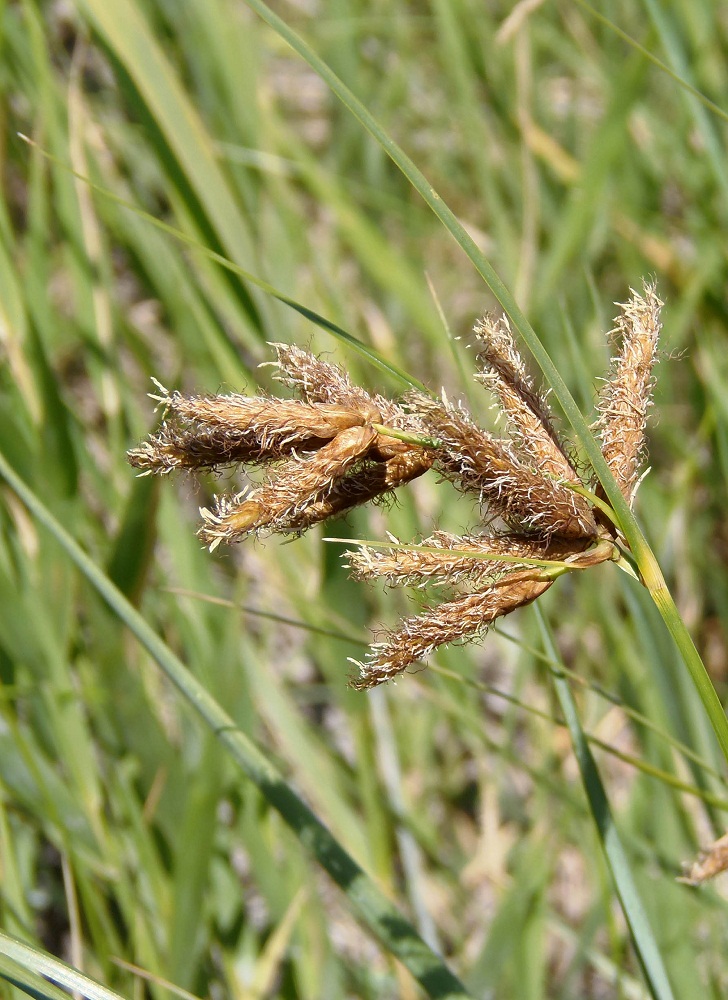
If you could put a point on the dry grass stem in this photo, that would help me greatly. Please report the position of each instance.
(337, 447)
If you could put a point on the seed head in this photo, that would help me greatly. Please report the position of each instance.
(627, 393)
(318, 381)
(337, 447)
(444, 558)
(214, 431)
(283, 499)
(529, 502)
(465, 617)
(529, 417)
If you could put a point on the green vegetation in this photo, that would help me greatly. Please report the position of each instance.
(185, 777)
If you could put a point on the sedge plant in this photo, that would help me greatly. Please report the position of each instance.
(118, 813)
(337, 446)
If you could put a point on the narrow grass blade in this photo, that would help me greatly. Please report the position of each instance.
(678, 78)
(669, 34)
(370, 353)
(383, 919)
(29, 969)
(642, 936)
(124, 28)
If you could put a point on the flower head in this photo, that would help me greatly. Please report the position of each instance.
(337, 447)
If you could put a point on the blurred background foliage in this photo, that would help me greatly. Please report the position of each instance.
(579, 166)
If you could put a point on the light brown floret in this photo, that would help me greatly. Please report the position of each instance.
(627, 393)
(270, 417)
(319, 381)
(367, 483)
(297, 484)
(529, 418)
(464, 617)
(444, 558)
(490, 467)
(215, 431)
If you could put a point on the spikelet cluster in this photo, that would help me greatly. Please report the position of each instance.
(323, 453)
(336, 446)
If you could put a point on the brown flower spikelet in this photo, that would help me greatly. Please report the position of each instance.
(278, 503)
(529, 418)
(444, 558)
(488, 466)
(464, 617)
(370, 483)
(215, 431)
(235, 517)
(627, 393)
(321, 382)
(318, 381)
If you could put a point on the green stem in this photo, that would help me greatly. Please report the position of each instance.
(655, 582)
(591, 497)
(629, 898)
(392, 432)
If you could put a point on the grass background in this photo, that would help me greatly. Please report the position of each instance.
(577, 165)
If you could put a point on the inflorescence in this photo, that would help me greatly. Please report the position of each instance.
(337, 446)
